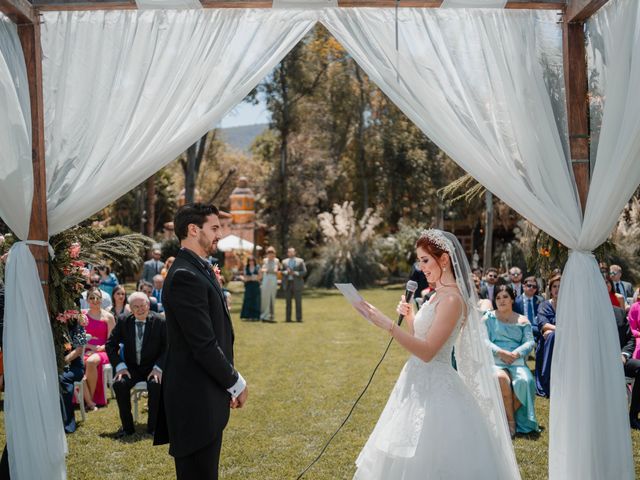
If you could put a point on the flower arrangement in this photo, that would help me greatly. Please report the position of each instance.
(75, 249)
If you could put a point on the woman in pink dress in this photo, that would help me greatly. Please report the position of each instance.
(634, 322)
(100, 325)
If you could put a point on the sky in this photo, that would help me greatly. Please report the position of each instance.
(246, 114)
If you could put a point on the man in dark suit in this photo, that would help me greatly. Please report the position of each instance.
(631, 365)
(527, 303)
(144, 337)
(200, 382)
(488, 289)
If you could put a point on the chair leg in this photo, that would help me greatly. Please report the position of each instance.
(135, 406)
(80, 399)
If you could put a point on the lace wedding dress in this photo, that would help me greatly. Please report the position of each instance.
(433, 426)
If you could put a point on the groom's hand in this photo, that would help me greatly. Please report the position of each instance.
(241, 399)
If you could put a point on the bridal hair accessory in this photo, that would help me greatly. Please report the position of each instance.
(438, 238)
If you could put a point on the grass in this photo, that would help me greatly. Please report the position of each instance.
(303, 379)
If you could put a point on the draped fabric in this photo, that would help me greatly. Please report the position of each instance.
(32, 411)
(477, 82)
(125, 92)
(590, 390)
(16, 176)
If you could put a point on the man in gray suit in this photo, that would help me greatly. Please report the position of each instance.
(619, 286)
(152, 267)
(293, 282)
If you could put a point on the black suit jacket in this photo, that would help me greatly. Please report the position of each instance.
(194, 405)
(627, 340)
(154, 344)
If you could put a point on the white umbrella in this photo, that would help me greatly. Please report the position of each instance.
(233, 242)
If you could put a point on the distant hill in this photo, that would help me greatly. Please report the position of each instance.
(241, 138)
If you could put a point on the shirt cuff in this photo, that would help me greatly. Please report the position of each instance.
(239, 386)
(156, 367)
(121, 366)
(626, 354)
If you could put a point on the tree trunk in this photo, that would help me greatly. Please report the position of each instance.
(361, 158)
(191, 167)
(151, 206)
(284, 160)
(488, 231)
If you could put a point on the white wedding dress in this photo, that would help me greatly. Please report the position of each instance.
(432, 426)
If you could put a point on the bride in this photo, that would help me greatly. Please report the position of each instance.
(440, 423)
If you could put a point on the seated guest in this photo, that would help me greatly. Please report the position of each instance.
(631, 365)
(511, 340)
(515, 277)
(488, 289)
(616, 299)
(527, 304)
(634, 322)
(94, 282)
(144, 338)
(73, 370)
(108, 280)
(147, 289)
(120, 307)
(167, 266)
(625, 289)
(158, 283)
(547, 327)
(100, 325)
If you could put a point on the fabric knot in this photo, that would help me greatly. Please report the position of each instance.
(42, 243)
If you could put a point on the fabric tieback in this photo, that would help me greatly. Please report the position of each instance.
(42, 243)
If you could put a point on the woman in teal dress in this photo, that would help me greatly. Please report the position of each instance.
(251, 301)
(511, 341)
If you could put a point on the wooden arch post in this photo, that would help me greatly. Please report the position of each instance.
(577, 89)
(27, 20)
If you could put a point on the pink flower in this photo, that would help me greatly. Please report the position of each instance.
(74, 250)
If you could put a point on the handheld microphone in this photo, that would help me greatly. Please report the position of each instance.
(408, 295)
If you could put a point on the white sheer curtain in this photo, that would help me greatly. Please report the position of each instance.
(476, 82)
(16, 175)
(616, 28)
(33, 421)
(126, 92)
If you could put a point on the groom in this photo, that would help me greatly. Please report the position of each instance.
(200, 383)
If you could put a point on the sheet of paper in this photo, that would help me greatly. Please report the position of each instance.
(351, 294)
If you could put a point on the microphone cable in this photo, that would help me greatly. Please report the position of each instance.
(411, 288)
(349, 414)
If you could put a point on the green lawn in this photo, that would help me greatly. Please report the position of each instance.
(303, 379)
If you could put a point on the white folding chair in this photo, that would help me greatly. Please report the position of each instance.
(136, 393)
(107, 379)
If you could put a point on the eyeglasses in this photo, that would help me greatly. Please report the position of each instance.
(612, 273)
(515, 274)
(94, 297)
(492, 276)
(530, 285)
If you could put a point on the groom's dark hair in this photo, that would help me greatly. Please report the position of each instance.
(189, 213)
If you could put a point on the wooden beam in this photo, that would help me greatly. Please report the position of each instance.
(130, 4)
(576, 87)
(580, 10)
(20, 11)
(38, 226)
